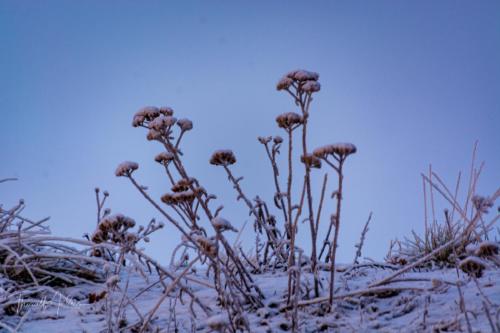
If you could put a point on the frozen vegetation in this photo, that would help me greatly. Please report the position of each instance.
(446, 280)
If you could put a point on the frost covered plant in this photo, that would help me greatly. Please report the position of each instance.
(190, 209)
(301, 85)
(223, 157)
(335, 155)
(189, 204)
(465, 224)
(125, 169)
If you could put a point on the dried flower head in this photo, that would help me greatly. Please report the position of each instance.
(164, 158)
(284, 83)
(473, 266)
(153, 135)
(162, 122)
(310, 86)
(482, 204)
(147, 113)
(221, 224)
(311, 161)
(207, 245)
(340, 149)
(182, 185)
(264, 139)
(278, 139)
(303, 75)
(126, 168)
(289, 120)
(487, 249)
(178, 198)
(185, 124)
(167, 111)
(223, 157)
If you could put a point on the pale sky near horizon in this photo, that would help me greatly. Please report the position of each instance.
(410, 83)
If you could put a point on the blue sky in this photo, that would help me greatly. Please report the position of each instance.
(410, 83)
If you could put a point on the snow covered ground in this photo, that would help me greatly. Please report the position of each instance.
(423, 300)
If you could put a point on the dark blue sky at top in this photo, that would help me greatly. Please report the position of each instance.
(410, 83)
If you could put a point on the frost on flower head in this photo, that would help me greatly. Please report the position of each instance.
(164, 158)
(146, 113)
(182, 185)
(284, 83)
(289, 120)
(185, 124)
(153, 135)
(223, 157)
(278, 139)
(303, 75)
(487, 249)
(112, 228)
(340, 149)
(311, 86)
(161, 122)
(473, 266)
(178, 197)
(126, 168)
(264, 139)
(481, 203)
(303, 80)
(167, 111)
(221, 224)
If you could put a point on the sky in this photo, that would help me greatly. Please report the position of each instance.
(409, 83)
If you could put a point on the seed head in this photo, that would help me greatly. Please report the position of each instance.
(264, 139)
(223, 157)
(303, 75)
(482, 204)
(167, 111)
(487, 249)
(185, 124)
(178, 198)
(289, 120)
(284, 83)
(182, 185)
(340, 149)
(473, 266)
(153, 135)
(310, 86)
(126, 168)
(164, 158)
(162, 122)
(278, 139)
(147, 113)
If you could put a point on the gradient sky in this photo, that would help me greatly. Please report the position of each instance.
(409, 83)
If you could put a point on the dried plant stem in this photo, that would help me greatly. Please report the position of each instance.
(333, 250)
(312, 226)
(272, 158)
(359, 246)
(166, 294)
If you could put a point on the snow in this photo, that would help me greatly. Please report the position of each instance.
(423, 300)
(311, 86)
(221, 224)
(162, 122)
(303, 75)
(342, 149)
(126, 168)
